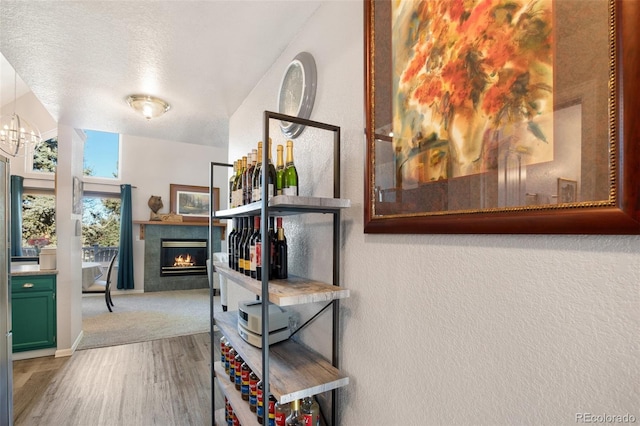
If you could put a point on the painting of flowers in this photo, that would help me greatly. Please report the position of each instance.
(472, 84)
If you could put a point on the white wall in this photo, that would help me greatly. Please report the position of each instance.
(69, 251)
(455, 329)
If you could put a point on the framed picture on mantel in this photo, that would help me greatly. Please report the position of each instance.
(192, 202)
(502, 117)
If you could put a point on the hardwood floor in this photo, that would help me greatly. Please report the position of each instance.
(161, 382)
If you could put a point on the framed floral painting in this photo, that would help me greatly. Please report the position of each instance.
(480, 112)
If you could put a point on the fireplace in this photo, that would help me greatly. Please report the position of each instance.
(183, 257)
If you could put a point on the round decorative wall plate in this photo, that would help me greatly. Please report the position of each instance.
(297, 92)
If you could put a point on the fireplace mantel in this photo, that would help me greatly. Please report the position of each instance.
(144, 223)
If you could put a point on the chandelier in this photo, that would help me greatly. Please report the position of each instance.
(16, 133)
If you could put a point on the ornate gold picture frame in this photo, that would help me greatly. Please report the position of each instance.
(473, 116)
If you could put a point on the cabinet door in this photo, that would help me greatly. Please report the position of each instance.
(33, 320)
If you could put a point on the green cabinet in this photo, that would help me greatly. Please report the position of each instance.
(33, 312)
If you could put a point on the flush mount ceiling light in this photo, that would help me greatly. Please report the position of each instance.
(15, 132)
(149, 106)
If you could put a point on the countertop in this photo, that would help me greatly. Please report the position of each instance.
(19, 270)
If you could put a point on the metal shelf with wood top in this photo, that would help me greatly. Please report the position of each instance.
(289, 370)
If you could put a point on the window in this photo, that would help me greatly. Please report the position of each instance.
(102, 155)
(45, 156)
(100, 227)
(38, 219)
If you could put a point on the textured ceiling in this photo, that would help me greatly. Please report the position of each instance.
(82, 58)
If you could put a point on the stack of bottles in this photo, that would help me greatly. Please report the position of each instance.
(302, 412)
(245, 184)
(245, 248)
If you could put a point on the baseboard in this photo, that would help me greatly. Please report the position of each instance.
(113, 293)
(17, 356)
(69, 351)
(132, 291)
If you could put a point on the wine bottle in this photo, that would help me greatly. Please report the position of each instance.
(236, 199)
(232, 180)
(255, 249)
(231, 240)
(290, 173)
(279, 171)
(240, 182)
(296, 417)
(246, 248)
(232, 196)
(271, 174)
(281, 266)
(257, 177)
(238, 261)
(273, 237)
(248, 178)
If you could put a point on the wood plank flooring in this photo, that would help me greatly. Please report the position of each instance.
(161, 382)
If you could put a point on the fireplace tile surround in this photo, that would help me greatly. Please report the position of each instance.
(152, 241)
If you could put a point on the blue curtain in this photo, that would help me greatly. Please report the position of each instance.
(125, 257)
(16, 215)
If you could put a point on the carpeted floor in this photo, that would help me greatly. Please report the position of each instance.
(143, 316)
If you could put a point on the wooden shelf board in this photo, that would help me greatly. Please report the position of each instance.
(240, 406)
(296, 371)
(284, 205)
(292, 291)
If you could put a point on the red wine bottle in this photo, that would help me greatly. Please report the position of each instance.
(271, 176)
(254, 249)
(281, 266)
(272, 247)
(238, 261)
(246, 247)
(231, 241)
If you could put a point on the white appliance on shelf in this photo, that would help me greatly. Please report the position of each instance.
(250, 323)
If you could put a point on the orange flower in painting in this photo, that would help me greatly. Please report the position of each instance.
(416, 64)
(429, 91)
(456, 10)
(494, 99)
(478, 20)
(473, 67)
(500, 50)
(455, 74)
